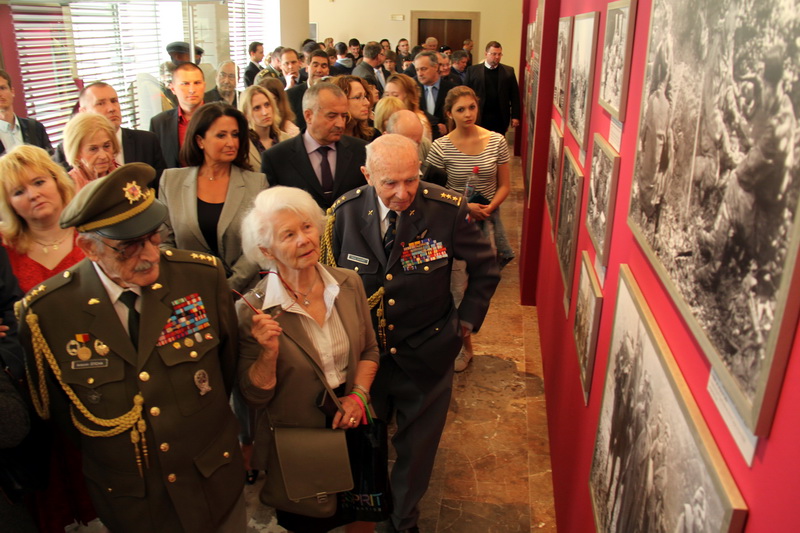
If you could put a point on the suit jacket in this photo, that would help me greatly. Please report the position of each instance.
(179, 193)
(287, 163)
(423, 330)
(293, 402)
(250, 73)
(438, 116)
(165, 126)
(191, 432)
(507, 91)
(33, 132)
(365, 70)
(295, 96)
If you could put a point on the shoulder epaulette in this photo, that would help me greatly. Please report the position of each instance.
(448, 196)
(48, 286)
(346, 197)
(188, 256)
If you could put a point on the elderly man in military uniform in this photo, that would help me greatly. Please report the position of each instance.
(401, 235)
(135, 348)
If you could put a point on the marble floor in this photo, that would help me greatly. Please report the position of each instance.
(492, 471)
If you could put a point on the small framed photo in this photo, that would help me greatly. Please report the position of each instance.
(617, 46)
(581, 76)
(568, 213)
(553, 173)
(602, 196)
(563, 49)
(587, 320)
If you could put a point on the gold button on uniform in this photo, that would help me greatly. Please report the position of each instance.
(391, 301)
(393, 351)
(66, 273)
(356, 269)
(169, 253)
(90, 381)
(226, 455)
(426, 268)
(144, 376)
(391, 327)
(155, 411)
(193, 354)
(389, 277)
(164, 447)
(172, 478)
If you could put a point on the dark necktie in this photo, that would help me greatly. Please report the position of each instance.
(129, 299)
(388, 237)
(326, 174)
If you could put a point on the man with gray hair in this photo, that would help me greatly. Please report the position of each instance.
(371, 68)
(322, 161)
(225, 91)
(401, 235)
(434, 90)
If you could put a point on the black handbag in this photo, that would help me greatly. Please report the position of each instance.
(307, 467)
(370, 500)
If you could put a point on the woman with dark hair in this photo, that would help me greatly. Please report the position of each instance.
(275, 86)
(360, 105)
(208, 198)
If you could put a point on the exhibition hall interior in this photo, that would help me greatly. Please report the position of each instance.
(637, 368)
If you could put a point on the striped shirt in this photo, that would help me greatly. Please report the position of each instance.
(458, 165)
(330, 340)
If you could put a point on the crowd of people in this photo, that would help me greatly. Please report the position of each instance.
(191, 288)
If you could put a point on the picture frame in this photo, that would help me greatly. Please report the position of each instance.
(568, 214)
(581, 75)
(588, 303)
(617, 48)
(563, 49)
(715, 188)
(655, 466)
(553, 173)
(602, 196)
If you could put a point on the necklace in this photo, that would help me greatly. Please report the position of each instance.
(53, 245)
(306, 301)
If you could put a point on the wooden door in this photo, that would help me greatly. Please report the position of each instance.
(450, 32)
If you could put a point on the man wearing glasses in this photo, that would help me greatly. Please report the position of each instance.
(135, 348)
(225, 91)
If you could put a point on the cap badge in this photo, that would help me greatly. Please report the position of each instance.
(133, 192)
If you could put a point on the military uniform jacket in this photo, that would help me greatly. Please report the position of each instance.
(195, 464)
(422, 324)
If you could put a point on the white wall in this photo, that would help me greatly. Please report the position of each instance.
(370, 20)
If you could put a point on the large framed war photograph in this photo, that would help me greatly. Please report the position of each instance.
(581, 76)
(587, 320)
(553, 172)
(716, 183)
(568, 213)
(617, 47)
(655, 466)
(562, 63)
(602, 196)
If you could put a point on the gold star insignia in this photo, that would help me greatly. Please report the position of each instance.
(133, 192)
(370, 212)
(444, 195)
(93, 301)
(156, 286)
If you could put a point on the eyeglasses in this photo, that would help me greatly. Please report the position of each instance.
(128, 249)
(361, 97)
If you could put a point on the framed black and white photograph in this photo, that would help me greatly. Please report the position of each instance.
(568, 213)
(562, 63)
(581, 76)
(616, 68)
(716, 183)
(602, 196)
(587, 320)
(553, 172)
(655, 466)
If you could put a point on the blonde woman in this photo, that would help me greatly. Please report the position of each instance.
(406, 89)
(261, 111)
(91, 147)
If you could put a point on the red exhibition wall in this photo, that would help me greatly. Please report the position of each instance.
(771, 486)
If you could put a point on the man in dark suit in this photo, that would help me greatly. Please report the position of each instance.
(149, 362)
(496, 87)
(290, 68)
(170, 126)
(318, 67)
(434, 90)
(137, 146)
(256, 51)
(371, 68)
(225, 91)
(322, 161)
(16, 130)
(376, 230)
(468, 46)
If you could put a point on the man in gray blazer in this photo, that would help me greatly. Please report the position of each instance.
(322, 161)
(318, 67)
(371, 68)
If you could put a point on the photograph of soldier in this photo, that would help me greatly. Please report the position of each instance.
(587, 319)
(650, 460)
(581, 77)
(553, 172)
(717, 178)
(562, 62)
(616, 57)
(568, 212)
(602, 195)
